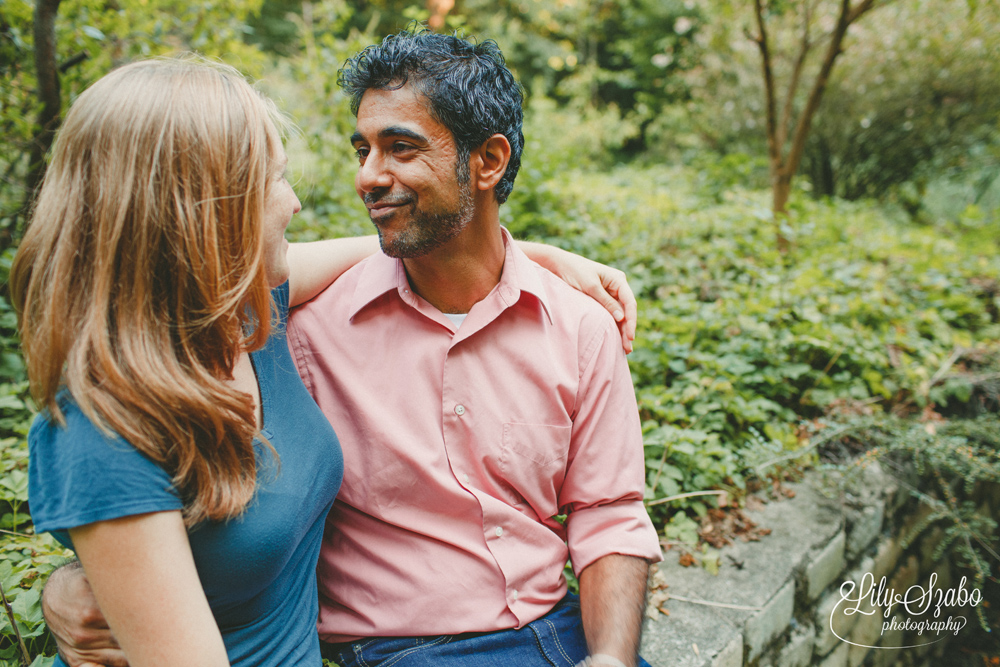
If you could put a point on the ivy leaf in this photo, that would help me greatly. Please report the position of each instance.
(27, 606)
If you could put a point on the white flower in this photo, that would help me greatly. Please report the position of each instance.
(683, 25)
(661, 60)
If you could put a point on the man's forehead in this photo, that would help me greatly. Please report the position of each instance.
(401, 107)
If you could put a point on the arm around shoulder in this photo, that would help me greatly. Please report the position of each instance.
(76, 622)
(315, 265)
(144, 579)
(605, 284)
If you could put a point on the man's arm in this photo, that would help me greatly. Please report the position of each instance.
(610, 536)
(76, 622)
(612, 604)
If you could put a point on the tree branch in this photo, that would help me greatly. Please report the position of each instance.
(73, 61)
(765, 56)
(819, 87)
(25, 656)
(863, 6)
(793, 85)
(844, 20)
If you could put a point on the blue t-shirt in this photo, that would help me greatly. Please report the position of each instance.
(258, 570)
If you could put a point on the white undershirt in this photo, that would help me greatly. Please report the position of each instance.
(456, 318)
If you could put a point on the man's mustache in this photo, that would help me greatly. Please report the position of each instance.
(385, 199)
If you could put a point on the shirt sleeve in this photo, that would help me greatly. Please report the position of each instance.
(78, 475)
(605, 476)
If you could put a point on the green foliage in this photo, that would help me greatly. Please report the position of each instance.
(961, 461)
(97, 35)
(620, 55)
(909, 114)
(681, 528)
(26, 559)
(911, 102)
(304, 85)
(741, 348)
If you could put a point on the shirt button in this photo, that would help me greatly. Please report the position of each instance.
(513, 595)
(466, 478)
(459, 410)
(498, 532)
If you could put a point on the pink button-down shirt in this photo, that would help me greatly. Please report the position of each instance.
(461, 447)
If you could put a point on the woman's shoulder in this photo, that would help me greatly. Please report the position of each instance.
(80, 472)
(74, 431)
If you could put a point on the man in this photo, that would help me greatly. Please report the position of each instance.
(504, 398)
(476, 397)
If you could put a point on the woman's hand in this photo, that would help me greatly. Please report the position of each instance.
(606, 285)
(145, 582)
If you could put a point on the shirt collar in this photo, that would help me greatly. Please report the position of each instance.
(381, 274)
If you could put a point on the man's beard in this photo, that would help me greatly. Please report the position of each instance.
(427, 231)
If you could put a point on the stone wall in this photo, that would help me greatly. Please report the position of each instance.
(774, 602)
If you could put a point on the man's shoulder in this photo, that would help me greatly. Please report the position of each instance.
(339, 291)
(570, 308)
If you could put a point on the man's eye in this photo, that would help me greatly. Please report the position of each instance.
(401, 147)
(361, 153)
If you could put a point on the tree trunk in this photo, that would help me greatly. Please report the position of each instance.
(785, 165)
(781, 188)
(47, 73)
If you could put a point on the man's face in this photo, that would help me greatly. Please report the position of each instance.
(409, 174)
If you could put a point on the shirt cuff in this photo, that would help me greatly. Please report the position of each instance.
(619, 528)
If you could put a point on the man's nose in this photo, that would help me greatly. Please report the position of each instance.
(373, 175)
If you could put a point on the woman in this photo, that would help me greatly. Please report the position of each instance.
(153, 286)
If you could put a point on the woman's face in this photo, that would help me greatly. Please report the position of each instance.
(280, 204)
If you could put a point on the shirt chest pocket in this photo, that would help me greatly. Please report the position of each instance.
(533, 464)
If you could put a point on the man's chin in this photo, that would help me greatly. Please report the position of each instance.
(422, 233)
(403, 248)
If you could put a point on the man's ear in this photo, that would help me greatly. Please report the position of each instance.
(488, 163)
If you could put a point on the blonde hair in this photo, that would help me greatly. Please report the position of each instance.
(141, 277)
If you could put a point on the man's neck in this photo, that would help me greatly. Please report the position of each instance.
(459, 274)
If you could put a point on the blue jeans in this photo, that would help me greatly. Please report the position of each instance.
(554, 640)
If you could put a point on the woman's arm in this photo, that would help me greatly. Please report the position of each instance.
(315, 265)
(145, 581)
(606, 285)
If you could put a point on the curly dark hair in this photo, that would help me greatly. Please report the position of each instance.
(469, 88)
